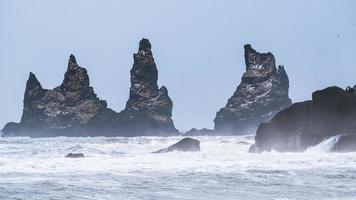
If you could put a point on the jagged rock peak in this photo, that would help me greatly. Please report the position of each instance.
(33, 83)
(76, 78)
(149, 109)
(144, 73)
(72, 59)
(33, 90)
(258, 61)
(72, 109)
(72, 63)
(144, 45)
(263, 92)
(144, 55)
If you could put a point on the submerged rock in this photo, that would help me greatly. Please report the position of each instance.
(149, 108)
(262, 93)
(75, 155)
(332, 111)
(185, 145)
(196, 132)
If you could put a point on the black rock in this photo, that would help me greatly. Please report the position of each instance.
(149, 108)
(75, 155)
(345, 143)
(72, 109)
(185, 145)
(196, 132)
(331, 112)
(262, 93)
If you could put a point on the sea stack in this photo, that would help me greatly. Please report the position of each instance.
(149, 108)
(262, 93)
(331, 112)
(71, 109)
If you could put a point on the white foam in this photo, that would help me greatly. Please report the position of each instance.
(324, 146)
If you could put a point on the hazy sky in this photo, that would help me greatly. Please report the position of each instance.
(197, 45)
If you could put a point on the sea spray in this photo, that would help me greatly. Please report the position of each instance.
(325, 146)
(124, 168)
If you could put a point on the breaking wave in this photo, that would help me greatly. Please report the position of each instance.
(324, 146)
(124, 168)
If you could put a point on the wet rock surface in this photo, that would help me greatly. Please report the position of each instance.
(331, 112)
(75, 155)
(185, 145)
(262, 93)
(196, 132)
(345, 143)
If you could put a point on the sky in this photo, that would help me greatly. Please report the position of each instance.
(197, 45)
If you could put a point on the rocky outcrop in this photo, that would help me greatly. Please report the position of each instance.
(73, 108)
(149, 108)
(345, 143)
(75, 155)
(185, 145)
(331, 112)
(196, 132)
(262, 93)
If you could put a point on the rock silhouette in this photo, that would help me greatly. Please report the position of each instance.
(75, 155)
(331, 112)
(185, 145)
(73, 108)
(149, 108)
(67, 110)
(262, 93)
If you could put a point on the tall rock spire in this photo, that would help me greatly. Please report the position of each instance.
(148, 109)
(263, 92)
(258, 61)
(76, 78)
(33, 87)
(33, 93)
(144, 73)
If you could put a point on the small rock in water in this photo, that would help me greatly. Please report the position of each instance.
(75, 155)
(243, 143)
(185, 145)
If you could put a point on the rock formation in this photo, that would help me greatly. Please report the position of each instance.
(75, 155)
(345, 143)
(203, 131)
(69, 109)
(73, 109)
(185, 145)
(331, 112)
(149, 108)
(263, 92)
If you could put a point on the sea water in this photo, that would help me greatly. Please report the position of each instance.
(124, 168)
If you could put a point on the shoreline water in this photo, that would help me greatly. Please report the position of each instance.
(124, 168)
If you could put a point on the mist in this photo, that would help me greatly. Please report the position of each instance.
(197, 46)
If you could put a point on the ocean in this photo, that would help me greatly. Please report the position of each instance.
(124, 168)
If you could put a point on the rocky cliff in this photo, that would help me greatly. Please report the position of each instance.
(263, 92)
(73, 108)
(69, 109)
(149, 108)
(331, 112)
